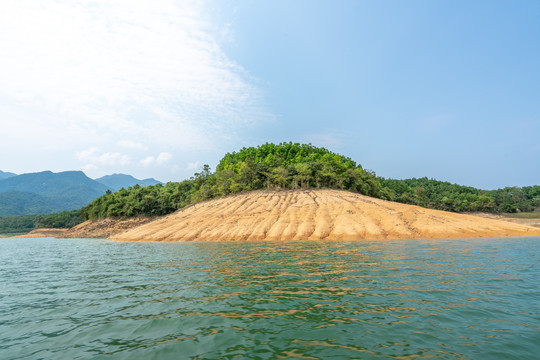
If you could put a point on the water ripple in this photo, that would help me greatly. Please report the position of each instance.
(445, 299)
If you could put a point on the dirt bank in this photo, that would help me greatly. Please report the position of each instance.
(315, 214)
(41, 233)
(90, 229)
(104, 228)
(523, 221)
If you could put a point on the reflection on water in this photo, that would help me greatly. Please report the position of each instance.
(444, 299)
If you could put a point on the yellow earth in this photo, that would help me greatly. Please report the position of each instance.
(315, 215)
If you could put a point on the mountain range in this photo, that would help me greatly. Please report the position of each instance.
(117, 181)
(5, 175)
(48, 192)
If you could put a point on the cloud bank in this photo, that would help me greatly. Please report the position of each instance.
(125, 79)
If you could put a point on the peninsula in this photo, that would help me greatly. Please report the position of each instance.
(299, 192)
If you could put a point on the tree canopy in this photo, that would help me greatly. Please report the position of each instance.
(25, 223)
(443, 195)
(269, 166)
(303, 166)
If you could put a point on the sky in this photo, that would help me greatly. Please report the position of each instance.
(444, 89)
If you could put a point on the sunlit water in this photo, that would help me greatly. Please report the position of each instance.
(444, 299)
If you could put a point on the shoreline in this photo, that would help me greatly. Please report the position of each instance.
(298, 215)
(315, 215)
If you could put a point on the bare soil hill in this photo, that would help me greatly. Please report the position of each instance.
(313, 215)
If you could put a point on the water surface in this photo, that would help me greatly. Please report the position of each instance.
(439, 299)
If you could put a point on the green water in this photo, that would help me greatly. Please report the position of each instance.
(97, 299)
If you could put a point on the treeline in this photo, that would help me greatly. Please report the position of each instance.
(143, 201)
(443, 195)
(289, 166)
(269, 166)
(26, 223)
(63, 220)
(300, 166)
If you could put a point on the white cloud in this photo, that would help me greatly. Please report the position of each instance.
(147, 161)
(163, 157)
(93, 157)
(114, 159)
(119, 75)
(87, 154)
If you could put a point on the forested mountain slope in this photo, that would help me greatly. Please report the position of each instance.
(46, 192)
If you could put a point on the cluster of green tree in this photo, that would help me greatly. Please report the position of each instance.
(62, 220)
(443, 195)
(297, 166)
(17, 224)
(288, 166)
(516, 199)
(269, 166)
(137, 200)
(24, 223)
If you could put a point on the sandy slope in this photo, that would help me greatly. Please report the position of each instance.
(535, 222)
(104, 228)
(315, 214)
(41, 233)
(90, 229)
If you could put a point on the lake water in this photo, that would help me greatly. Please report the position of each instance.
(440, 299)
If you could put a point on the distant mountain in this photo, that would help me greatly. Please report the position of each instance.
(45, 192)
(14, 203)
(117, 181)
(5, 174)
(53, 184)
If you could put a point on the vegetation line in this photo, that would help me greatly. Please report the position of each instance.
(301, 166)
(284, 166)
(21, 224)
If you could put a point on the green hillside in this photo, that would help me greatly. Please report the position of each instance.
(23, 203)
(46, 192)
(24, 223)
(297, 166)
(287, 166)
(48, 183)
(443, 195)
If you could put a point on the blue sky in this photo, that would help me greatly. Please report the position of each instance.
(443, 89)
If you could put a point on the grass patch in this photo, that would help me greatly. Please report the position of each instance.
(524, 215)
